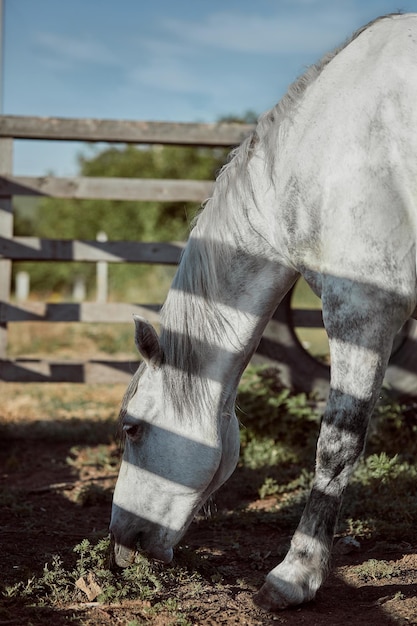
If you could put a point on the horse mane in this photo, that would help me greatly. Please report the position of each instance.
(186, 338)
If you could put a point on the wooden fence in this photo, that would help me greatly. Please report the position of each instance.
(279, 343)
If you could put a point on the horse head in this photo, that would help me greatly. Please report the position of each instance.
(171, 462)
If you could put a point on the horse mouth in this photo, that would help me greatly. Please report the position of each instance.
(122, 556)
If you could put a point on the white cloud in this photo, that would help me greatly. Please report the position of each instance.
(186, 59)
(68, 51)
(167, 64)
(185, 56)
(281, 33)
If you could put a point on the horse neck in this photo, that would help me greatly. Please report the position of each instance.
(215, 313)
(228, 282)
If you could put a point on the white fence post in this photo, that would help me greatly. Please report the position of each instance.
(22, 286)
(79, 290)
(102, 274)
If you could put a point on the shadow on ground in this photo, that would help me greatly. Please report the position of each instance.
(56, 491)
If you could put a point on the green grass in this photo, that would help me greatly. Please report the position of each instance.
(278, 439)
(373, 570)
(58, 584)
(91, 580)
(71, 340)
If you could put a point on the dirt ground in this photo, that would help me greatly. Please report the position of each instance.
(49, 505)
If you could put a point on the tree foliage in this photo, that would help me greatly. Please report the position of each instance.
(120, 220)
(141, 221)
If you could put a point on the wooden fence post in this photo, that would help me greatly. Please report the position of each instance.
(22, 286)
(102, 274)
(6, 231)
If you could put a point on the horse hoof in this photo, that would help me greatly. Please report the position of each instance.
(270, 599)
(277, 594)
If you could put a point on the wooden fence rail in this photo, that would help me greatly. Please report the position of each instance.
(13, 248)
(35, 249)
(279, 343)
(107, 188)
(117, 131)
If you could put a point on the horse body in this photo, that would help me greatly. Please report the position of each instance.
(325, 187)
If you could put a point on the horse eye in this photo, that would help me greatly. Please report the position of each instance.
(133, 431)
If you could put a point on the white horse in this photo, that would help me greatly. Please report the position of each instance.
(326, 188)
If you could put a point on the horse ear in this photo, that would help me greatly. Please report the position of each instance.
(147, 342)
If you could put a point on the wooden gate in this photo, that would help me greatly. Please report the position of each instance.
(34, 249)
(279, 344)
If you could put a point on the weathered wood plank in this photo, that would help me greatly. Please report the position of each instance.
(90, 372)
(6, 231)
(6, 155)
(123, 131)
(36, 249)
(143, 189)
(113, 312)
(77, 312)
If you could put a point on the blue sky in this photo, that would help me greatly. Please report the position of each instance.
(174, 60)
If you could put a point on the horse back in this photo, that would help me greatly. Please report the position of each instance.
(347, 170)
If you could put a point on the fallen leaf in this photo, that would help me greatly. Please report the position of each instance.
(90, 586)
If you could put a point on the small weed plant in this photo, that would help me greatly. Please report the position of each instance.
(374, 570)
(278, 441)
(91, 580)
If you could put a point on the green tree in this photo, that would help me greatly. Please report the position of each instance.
(143, 221)
(139, 221)
(121, 220)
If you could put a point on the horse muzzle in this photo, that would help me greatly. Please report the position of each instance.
(121, 556)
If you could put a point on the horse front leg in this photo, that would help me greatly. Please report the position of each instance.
(359, 355)
(300, 575)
